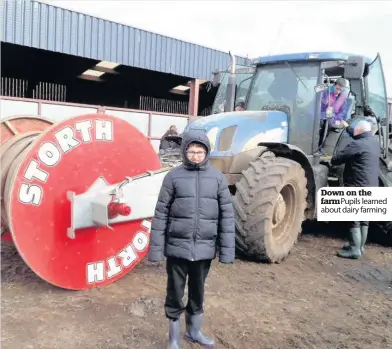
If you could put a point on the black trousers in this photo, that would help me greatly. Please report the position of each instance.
(178, 270)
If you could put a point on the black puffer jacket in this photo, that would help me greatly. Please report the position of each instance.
(194, 211)
(361, 159)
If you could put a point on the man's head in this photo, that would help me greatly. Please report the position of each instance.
(360, 127)
(173, 129)
(340, 85)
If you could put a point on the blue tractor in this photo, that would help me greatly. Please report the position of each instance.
(266, 138)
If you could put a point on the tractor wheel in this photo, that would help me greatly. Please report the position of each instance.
(270, 204)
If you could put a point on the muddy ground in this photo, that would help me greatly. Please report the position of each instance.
(313, 300)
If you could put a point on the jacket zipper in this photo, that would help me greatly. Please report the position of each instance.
(197, 216)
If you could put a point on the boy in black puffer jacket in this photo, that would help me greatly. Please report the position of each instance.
(193, 215)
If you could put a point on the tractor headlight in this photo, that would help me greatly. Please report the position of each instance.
(211, 134)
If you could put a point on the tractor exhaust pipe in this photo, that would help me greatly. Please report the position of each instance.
(231, 86)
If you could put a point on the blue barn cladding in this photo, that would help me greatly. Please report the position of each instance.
(51, 28)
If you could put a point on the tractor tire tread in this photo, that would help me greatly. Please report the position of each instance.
(257, 189)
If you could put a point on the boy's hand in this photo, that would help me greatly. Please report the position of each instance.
(156, 264)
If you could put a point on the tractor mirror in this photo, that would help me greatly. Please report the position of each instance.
(319, 88)
(216, 79)
(354, 67)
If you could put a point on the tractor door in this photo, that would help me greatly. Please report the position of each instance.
(376, 97)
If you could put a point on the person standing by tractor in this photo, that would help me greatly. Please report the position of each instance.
(361, 159)
(194, 213)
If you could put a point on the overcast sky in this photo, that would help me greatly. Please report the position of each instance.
(258, 28)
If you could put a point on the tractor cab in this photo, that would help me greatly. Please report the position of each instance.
(296, 84)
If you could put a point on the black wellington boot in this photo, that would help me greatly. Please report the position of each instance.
(364, 235)
(354, 251)
(174, 335)
(193, 332)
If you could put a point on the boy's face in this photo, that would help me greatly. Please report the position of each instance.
(196, 153)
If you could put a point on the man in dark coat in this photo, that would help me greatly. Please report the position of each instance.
(193, 215)
(167, 143)
(361, 159)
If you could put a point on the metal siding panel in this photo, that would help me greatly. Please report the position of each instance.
(197, 61)
(101, 41)
(173, 61)
(131, 46)
(125, 45)
(35, 25)
(161, 46)
(193, 70)
(51, 29)
(209, 63)
(150, 59)
(205, 67)
(74, 34)
(18, 11)
(142, 52)
(113, 42)
(81, 37)
(3, 10)
(186, 59)
(107, 36)
(136, 55)
(94, 38)
(166, 58)
(158, 52)
(172, 55)
(43, 30)
(9, 21)
(67, 32)
(153, 52)
(119, 44)
(182, 58)
(87, 36)
(27, 24)
(59, 30)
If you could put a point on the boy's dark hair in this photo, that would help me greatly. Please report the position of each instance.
(197, 144)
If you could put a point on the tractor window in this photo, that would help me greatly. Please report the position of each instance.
(291, 85)
(375, 88)
(243, 79)
(289, 88)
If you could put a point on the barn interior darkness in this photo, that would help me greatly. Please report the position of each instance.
(40, 74)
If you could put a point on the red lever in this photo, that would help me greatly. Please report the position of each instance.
(115, 209)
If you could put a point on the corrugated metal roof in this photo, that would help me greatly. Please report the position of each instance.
(38, 25)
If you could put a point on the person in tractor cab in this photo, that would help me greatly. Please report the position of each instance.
(194, 213)
(361, 159)
(335, 97)
(240, 106)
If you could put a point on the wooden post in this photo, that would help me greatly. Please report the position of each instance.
(194, 97)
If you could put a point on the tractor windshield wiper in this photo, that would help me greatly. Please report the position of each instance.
(292, 69)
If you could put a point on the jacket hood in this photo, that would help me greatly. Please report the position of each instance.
(191, 136)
